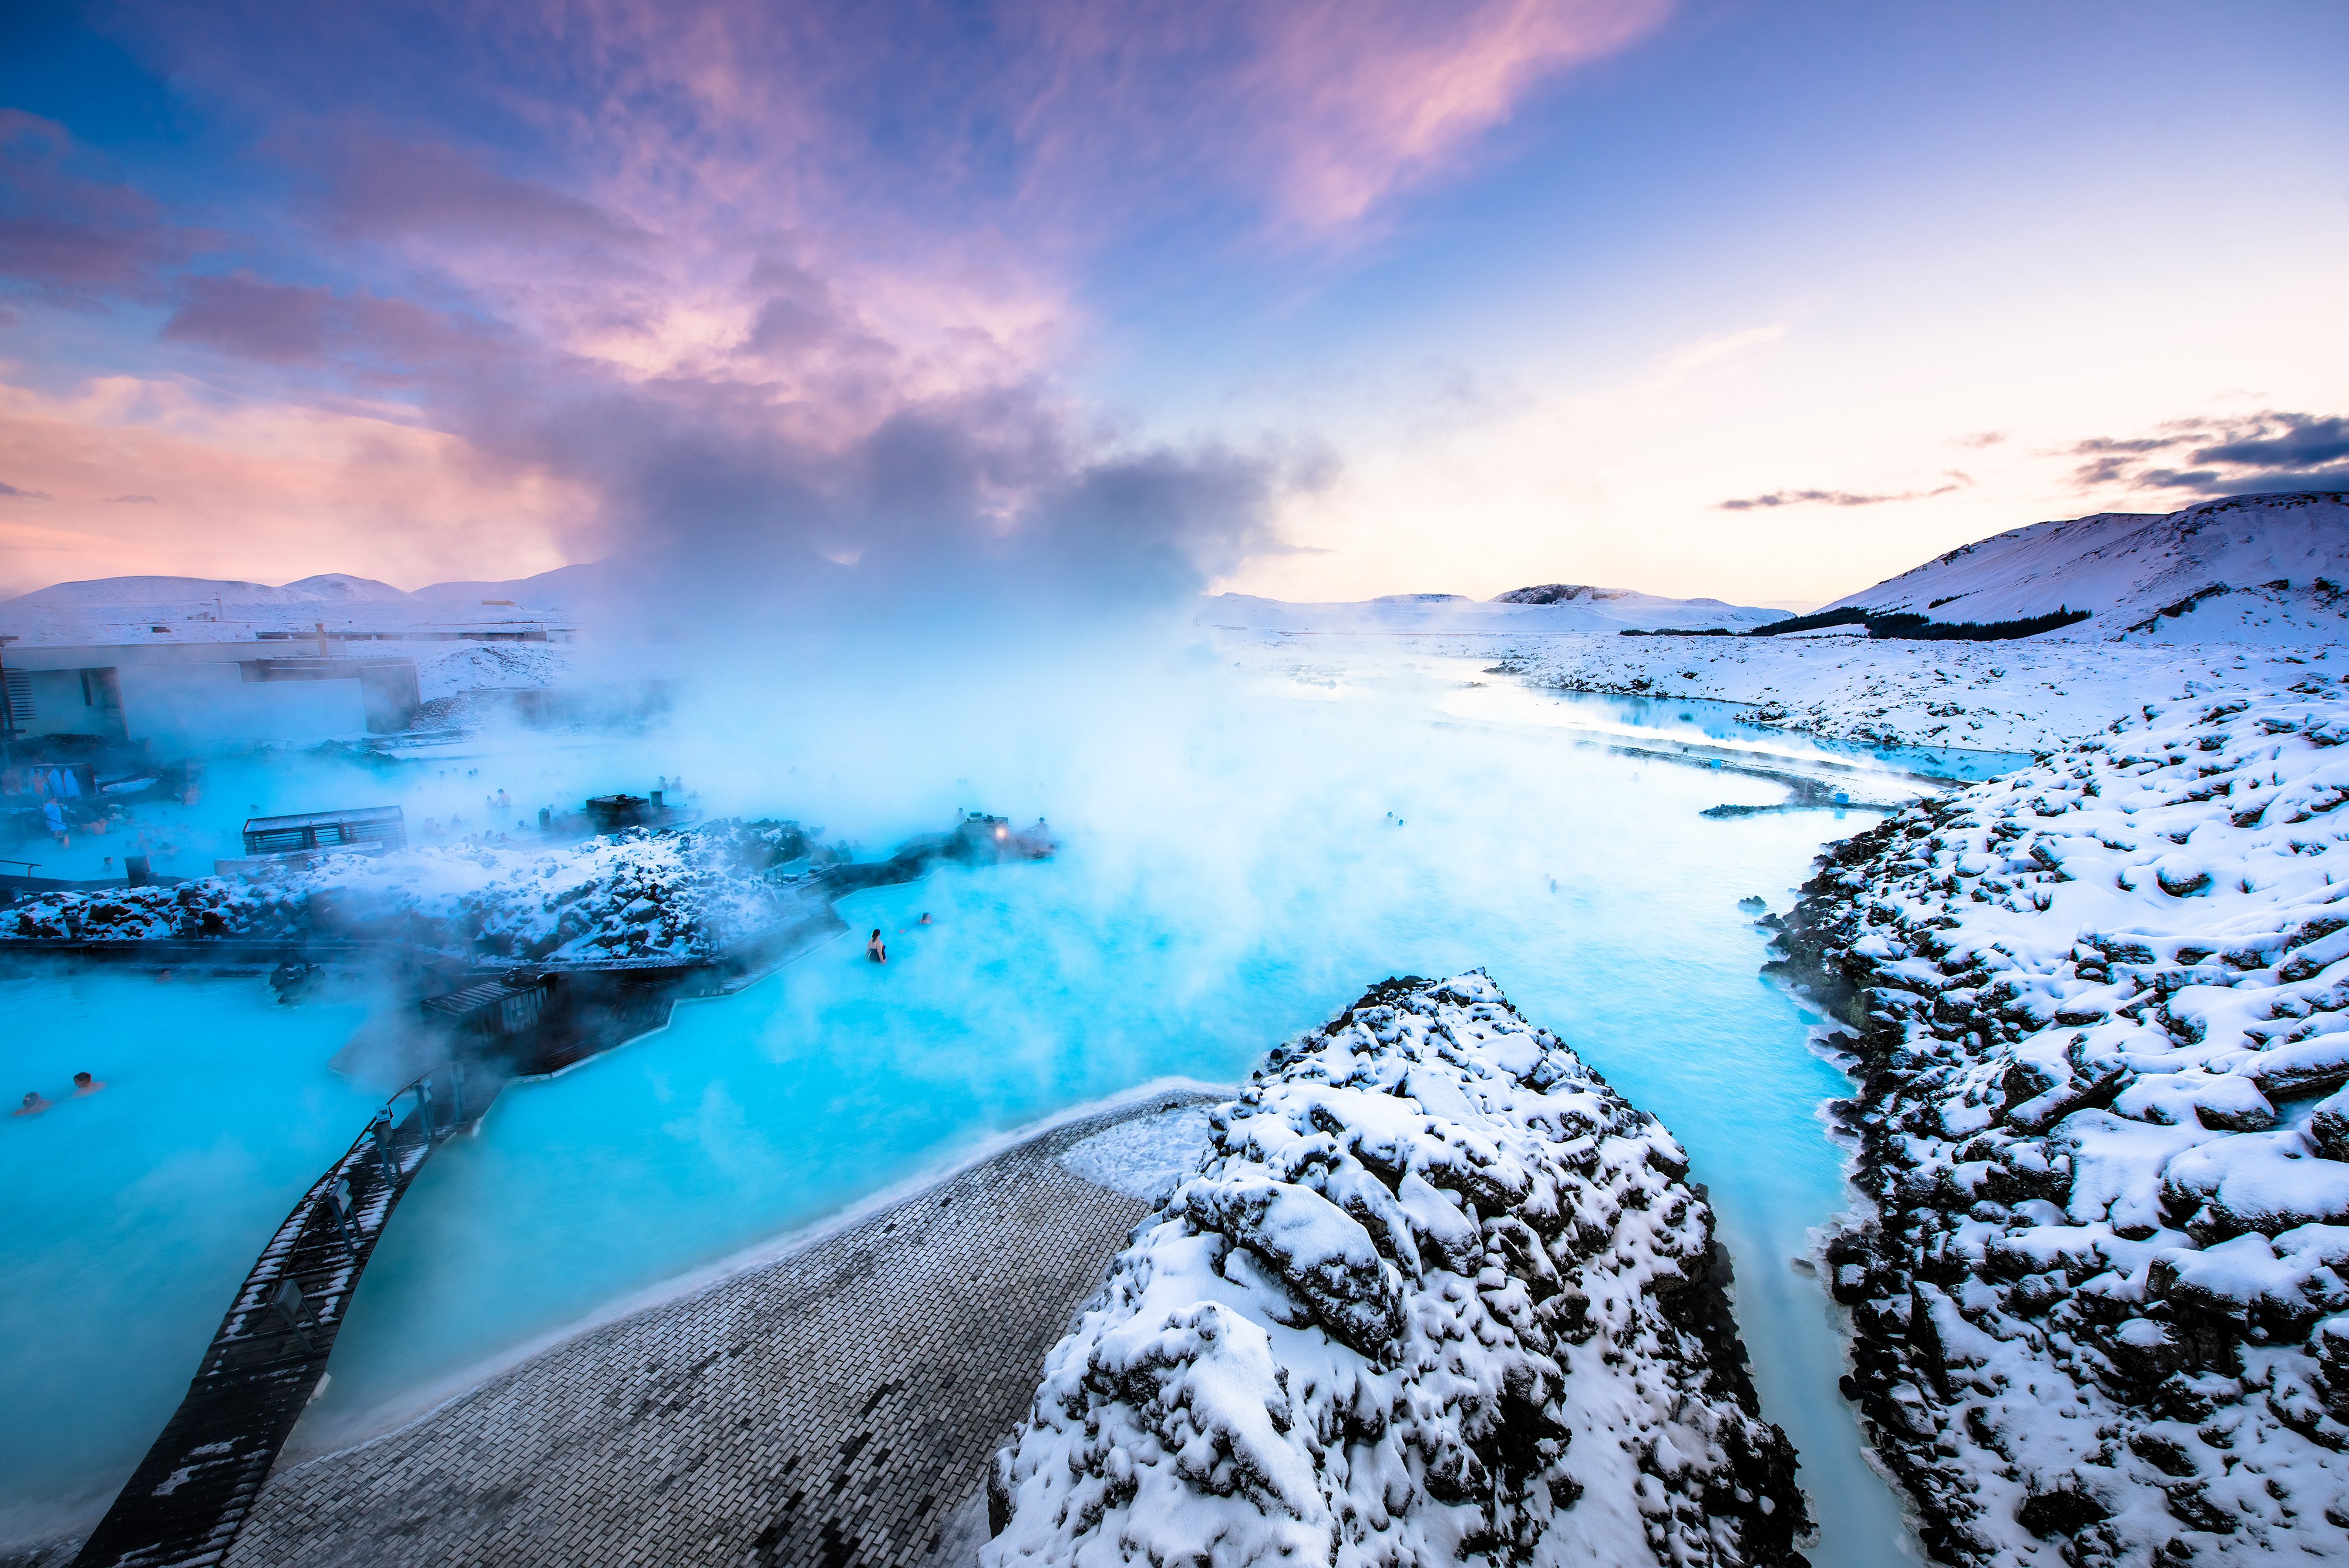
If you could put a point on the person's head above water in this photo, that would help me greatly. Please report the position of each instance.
(86, 1085)
(34, 1104)
(876, 934)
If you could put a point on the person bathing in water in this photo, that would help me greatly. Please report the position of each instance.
(86, 1085)
(35, 1104)
(874, 949)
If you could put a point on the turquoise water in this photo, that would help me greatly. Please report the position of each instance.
(1700, 722)
(1233, 871)
(129, 1219)
(1181, 940)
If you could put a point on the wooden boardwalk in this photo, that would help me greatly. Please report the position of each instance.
(834, 1407)
(188, 1498)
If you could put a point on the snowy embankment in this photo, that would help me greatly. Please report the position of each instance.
(2021, 696)
(1436, 1290)
(455, 669)
(637, 896)
(2101, 1310)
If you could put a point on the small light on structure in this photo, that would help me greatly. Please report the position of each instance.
(1002, 833)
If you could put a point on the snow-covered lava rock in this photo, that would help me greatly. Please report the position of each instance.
(636, 895)
(2021, 696)
(1435, 1292)
(2101, 1307)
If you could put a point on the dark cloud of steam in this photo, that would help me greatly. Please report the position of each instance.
(2267, 451)
(1957, 480)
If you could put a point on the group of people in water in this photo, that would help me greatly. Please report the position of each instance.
(36, 1102)
(878, 950)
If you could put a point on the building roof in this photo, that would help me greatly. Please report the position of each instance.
(321, 818)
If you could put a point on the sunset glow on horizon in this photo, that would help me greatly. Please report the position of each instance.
(1707, 298)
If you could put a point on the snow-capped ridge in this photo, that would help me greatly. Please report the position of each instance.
(2270, 569)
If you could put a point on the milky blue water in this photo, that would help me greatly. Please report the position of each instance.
(1701, 722)
(128, 1219)
(1232, 874)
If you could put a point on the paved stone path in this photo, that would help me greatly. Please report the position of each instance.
(833, 1409)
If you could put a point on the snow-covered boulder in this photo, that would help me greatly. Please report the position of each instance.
(1436, 1291)
(2102, 1022)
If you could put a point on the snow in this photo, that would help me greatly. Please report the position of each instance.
(455, 669)
(1435, 1290)
(2018, 696)
(331, 586)
(148, 609)
(1577, 608)
(636, 895)
(1144, 1157)
(2252, 568)
(2095, 999)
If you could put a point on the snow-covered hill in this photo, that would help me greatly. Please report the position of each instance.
(1553, 608)
(158, 609)
(2254, 568)
(328, 587)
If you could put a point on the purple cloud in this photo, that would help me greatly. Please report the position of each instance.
(381, 188)
(67, 234)
(2274, 451)
(1839, 497)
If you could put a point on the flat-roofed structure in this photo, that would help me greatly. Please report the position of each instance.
(375, 827)
(199, 692)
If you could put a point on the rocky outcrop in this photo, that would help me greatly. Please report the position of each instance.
(2096, 1008)
(1436, 1291)
(636, 895)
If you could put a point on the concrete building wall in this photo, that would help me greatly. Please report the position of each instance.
(68, 702)
(214, 704)
(209, 694)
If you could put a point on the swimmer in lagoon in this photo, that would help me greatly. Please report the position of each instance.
(34, 1105)
(925, 918)
(874, 949)
(86, 1085)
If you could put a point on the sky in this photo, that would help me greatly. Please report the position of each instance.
(1715, 298)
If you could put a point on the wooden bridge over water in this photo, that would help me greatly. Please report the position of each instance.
(188, 1499)
(184, 1504)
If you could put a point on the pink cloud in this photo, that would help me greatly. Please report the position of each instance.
(1323, 110)
(258, 490)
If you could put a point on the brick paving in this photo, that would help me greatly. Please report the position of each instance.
(834, 1407)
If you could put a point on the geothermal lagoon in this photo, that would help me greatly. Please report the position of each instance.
(1229, 874)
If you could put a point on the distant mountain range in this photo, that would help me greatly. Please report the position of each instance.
(1553, 606)
(2256, 568)
(2253, 568)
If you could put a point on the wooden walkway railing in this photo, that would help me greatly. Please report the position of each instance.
(186, 1500)
(190, 1496)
